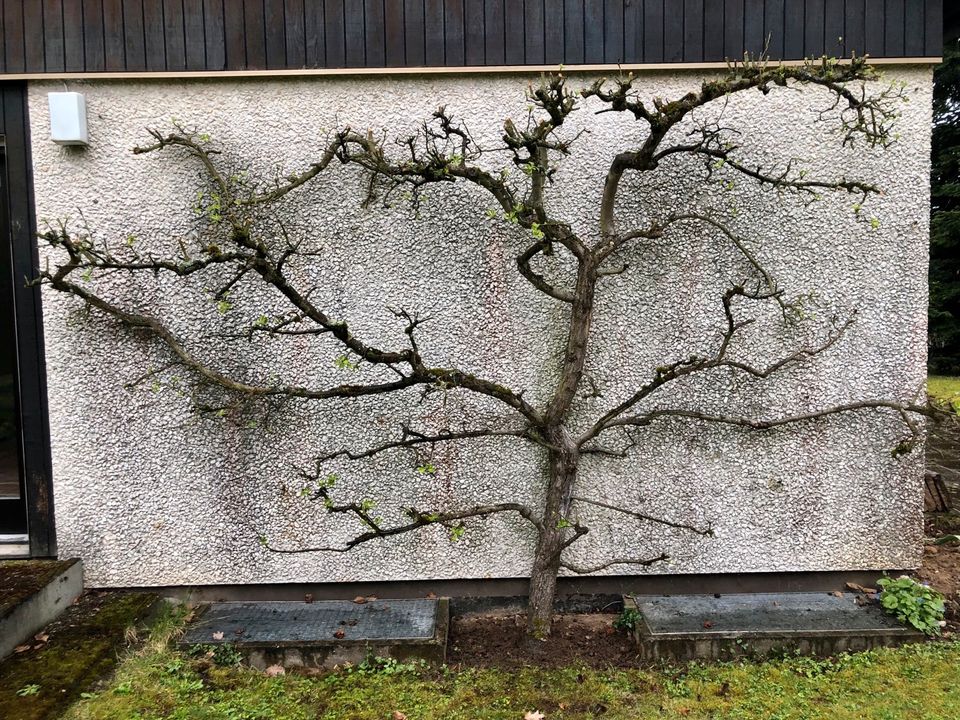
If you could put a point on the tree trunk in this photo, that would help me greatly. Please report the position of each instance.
(546, 562)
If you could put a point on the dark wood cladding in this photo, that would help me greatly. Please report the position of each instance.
(55, 36)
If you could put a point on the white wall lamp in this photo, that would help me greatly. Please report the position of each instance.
(68, 118)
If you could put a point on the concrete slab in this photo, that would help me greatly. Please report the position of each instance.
(32, 594)
(325, 633)
(686, 627)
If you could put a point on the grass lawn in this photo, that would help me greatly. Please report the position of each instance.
(944, 389)
(920, 682)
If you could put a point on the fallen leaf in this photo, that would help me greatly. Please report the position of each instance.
(837, 593)
(359, 599)
(217, 636)
(239, 631)
(707, 624)
(308, 598)
(21, 648)
(397, 715)
(40, 637)
(274, 670)
(861, 589)
(339, 634)
(371, 598)
(533, 715)
(431, 596)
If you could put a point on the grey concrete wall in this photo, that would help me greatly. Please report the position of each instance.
(147, 494)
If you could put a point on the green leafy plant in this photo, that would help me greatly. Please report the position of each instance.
(627, 620)
(28, 690)
(224, 655)
(912, 603)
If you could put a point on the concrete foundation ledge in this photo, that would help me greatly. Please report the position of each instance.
(717, 627)
(324, 634)
(33, 593)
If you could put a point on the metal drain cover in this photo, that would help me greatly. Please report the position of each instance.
(280, 623)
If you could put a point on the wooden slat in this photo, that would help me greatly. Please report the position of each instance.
(933, 33)
(834, 38)
(733, 29)
(533, 31)
(52, 36)
(154, 41)
(475, 32)
(214, 34)
(773, 14)
(195, 43)
(713, 31)
(593, 40)
(633, 33)
(133, 42)
(653, 31)
(3, 58)
(573, 31)
(234, 35)
(433, 32)
(33, 29)
(693, 30)
(355, 33)
(914, 27)
(274, 44)
(114, 44)
(72, 36)
(316, 43)
(13, 41)
(174, 35)
(335, 33)
(673, 31)
(394, 50)
(414, 33)
(375, 38)
(554, 31)
(793, 35)
(514, 42)
(753, 37)
(613, 21)
(873, 27)
(93, 35)
(295, 34)
(453, 32)
(894, 34)
(255, 37)
(493, 16)
(813, 28)
(854, 25)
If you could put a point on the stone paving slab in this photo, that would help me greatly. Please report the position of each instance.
(685, 627)
(324, 633)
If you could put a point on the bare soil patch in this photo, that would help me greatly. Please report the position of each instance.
(500, 640)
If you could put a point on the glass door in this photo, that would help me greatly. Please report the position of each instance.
(13, 505)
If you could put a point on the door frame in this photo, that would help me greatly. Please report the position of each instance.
(34, 423)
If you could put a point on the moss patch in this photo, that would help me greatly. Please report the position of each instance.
(82, 646)
(19, 579)
(945, 390)
(916, 682)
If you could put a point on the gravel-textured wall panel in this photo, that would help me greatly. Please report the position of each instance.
(148, 493)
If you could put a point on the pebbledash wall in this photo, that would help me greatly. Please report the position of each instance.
(148, 495)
